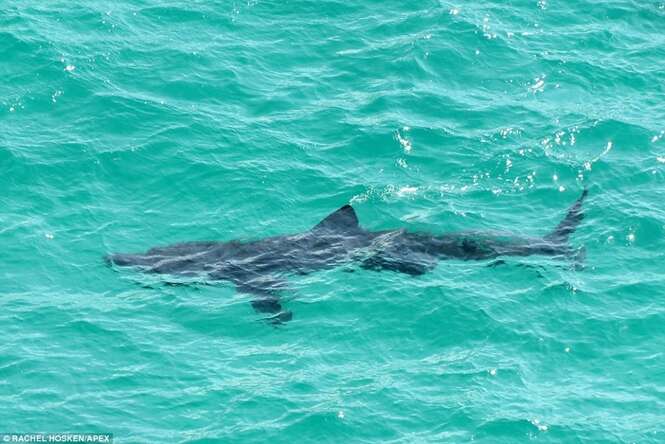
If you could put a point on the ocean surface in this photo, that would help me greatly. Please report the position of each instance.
(131, 124)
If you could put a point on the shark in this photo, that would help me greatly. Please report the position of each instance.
(260, 267)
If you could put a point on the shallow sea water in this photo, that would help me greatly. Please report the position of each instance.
(127, 125)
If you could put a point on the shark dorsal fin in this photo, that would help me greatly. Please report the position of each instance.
(342, 220)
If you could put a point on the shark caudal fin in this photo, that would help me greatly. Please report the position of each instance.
(569, 223)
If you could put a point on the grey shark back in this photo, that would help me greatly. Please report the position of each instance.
(259, 267)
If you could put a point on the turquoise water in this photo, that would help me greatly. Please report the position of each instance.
(127, 125)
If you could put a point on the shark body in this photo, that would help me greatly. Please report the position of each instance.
(257, 267)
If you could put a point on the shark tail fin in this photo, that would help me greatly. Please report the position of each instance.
(569, 223)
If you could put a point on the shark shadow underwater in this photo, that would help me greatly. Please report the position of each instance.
(258, 267)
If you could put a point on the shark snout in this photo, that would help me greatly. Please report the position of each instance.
(121, 259)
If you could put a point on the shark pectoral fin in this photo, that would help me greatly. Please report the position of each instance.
(272, 306)
(265, 291)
